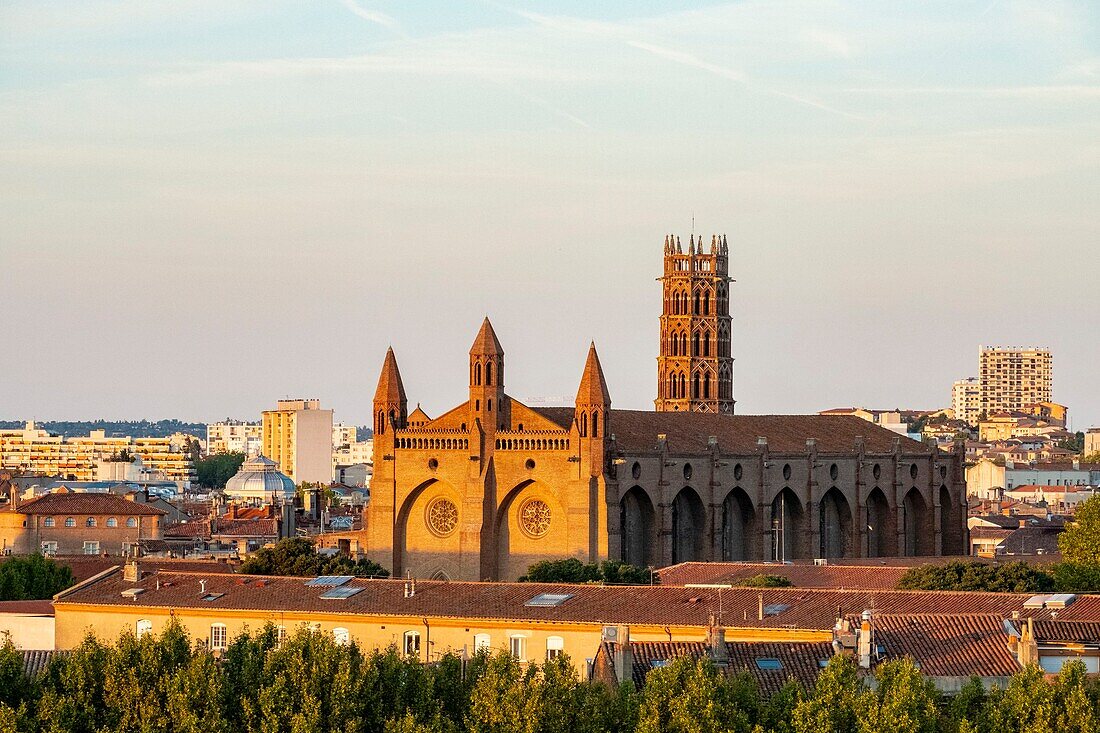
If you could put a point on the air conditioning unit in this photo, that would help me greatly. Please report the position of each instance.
(610, 633)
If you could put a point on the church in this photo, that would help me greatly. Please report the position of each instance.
(492, 486)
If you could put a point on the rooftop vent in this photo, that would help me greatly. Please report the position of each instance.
(1038, 601)
(132, 593)
(1061, 600)
(548, 600)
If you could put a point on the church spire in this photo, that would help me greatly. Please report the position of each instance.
(593, 389)
(390, 402)
(486, 343)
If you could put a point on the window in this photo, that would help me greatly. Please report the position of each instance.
(518, 647)
(49, 548)
(89, 522)
(70, 522)
(595, 424)
(341, 636)
(555, 647)
(481, 641)
(280, 635)
(769, 663)
(131, 522)
(217, 636)
(48, 522)
(489, 375)
(112, 522)
(91, 548)
(412, 643)
(144, 626)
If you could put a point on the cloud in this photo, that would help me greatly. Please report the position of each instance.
(373, 16)
(1068, 91)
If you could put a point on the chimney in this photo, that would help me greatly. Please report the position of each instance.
(131, 572)
(233, 511)
(410, 585)
(1028, 650)
(623, 656)
(865, 640)
(716, 644)
(202, 587)
(760, 607)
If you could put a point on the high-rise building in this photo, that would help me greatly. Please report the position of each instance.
(966, 400)
(297, 435)
(1012, 378)
(694, 366)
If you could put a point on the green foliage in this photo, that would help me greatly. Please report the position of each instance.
(833, 706)
(764, 580)
(15, 688)
(1080, 542)
(213, 471)
(1075, 444)
(1070, 577)
(690, 696)
(297, 556)
(1013, 577)
(903, 701)
(573, 570)
(32, 578)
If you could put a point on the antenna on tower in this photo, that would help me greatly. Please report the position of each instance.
(693, 224)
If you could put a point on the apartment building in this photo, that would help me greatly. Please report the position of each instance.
(234, 436)
(966, 400)
(1013, 378)
(297, 435)
(33, 450)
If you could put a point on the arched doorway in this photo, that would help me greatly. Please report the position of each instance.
(638, 528)
(788, 527)
(738, 526)
(531, 526)
(881, 526)
(919, 532)
(836, 525)
(950, 526)
(688, 527)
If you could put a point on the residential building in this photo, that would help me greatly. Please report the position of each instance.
(343, 435)
(234, 436)
(1012, 377)
(951, 635)
(1092, 441)
(966, 400)
(989, 479)
(28, 624)
(32, 450)
(297, 435)
(73, 524)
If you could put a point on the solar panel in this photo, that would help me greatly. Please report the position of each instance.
(330, 581)
(345, 592)
(549, 600)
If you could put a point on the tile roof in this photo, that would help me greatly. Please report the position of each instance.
(591, 604)
(86, 566)
(799, 661)
(1068, 632)
(222, 527)
(688, 432)
(36, 661)
(86, 504)
(863, 577)
(27, 608)
(954, 645)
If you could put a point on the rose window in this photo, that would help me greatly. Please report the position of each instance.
(534, 518)
(442, 517)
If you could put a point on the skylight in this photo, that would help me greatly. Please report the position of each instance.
(549, 600)
(657, 663)
(768, 663)
(345, 592)
(212, 596)
(775, 609)
(330, 581)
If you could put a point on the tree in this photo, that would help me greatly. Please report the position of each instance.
(689, 696)
(15, 688)
(904, 701)
(572, 570)
(214, 471)
(1080, 542)
(1025, 706)
(1013, 577)
(1075, 444)
(297, 556)
(33, 578)
(1071, 577)
(764, 580)
(833, 705)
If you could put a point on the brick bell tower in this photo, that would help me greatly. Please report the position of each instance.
(695, 368)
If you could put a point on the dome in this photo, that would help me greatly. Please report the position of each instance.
(259, 478)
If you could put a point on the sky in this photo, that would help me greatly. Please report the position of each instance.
(208, 205)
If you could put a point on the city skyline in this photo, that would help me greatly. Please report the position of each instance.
(212, 205)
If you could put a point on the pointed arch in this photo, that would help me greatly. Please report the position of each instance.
(477, 373)
(738, 526)
(789, 527)
(638, 528)
(595, 423)
(489, 373)
(919, 534)
(688, 527)
(836, 525)
(881, 526)
(950, 525)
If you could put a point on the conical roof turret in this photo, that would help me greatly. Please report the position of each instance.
(593, 389)
(390, 389)
(486, 343)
